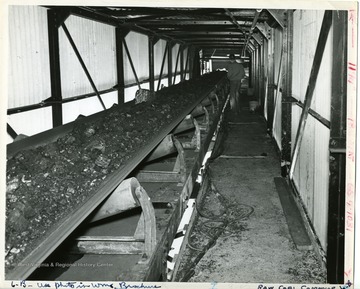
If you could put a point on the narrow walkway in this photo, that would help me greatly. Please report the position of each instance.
(257, 247)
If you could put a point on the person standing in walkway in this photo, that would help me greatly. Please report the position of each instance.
(235, 74)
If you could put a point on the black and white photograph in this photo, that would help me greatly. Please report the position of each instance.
(152, 145)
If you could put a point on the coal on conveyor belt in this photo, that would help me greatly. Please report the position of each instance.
(47, 183)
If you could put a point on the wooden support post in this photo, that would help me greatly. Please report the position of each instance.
(324, 32)
(337, 145)
(120, 35)
(54, 61)
(151, 64)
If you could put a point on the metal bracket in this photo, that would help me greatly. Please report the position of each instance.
(278, 15)
(206, 123)
(190, 123)
(178, 175)
(258, 38)
(128, 195)
(263, 29)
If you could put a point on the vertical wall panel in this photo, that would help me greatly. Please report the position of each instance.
(321, 182)
(138, 48)
(185, 53)
(311, 174)
(307, 24)
(321, 101)
(159, 51)
(29, 72)
(96, 44)
(175, 51)
(87, 106)
(31, 122)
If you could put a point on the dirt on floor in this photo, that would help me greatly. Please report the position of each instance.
(241, 234)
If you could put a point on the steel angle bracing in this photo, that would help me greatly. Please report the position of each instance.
(163, 64)
(258, 38)
(131, 63)
(176, 64)
(278, 15)
(68, 35)
(262, 28)
(251, 46)
(320, 47)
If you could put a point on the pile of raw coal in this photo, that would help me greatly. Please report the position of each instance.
(47, 183)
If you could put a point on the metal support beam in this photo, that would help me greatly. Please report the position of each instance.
(324, 32)
(54, 61)
(258, 38)
(162, 66)
(262, 28)
(151, 64)
(278, 15)
(256, 17)
(11, 131)
(286, 109)
(278, 86)
(131, 64)
(181, 63)
(176, 64)
(120, 35)
(186, 63)
(170, 47)
(233, 20)
(336, 218)
(82, 63)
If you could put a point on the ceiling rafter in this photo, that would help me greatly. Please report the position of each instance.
(213, 29)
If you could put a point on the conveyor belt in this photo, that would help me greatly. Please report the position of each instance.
(53, 237)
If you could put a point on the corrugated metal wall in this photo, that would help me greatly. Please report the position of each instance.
(311, 175)
(29, 74)
(159, 51)
(96, 44)
(138, 48)
(185, 69)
